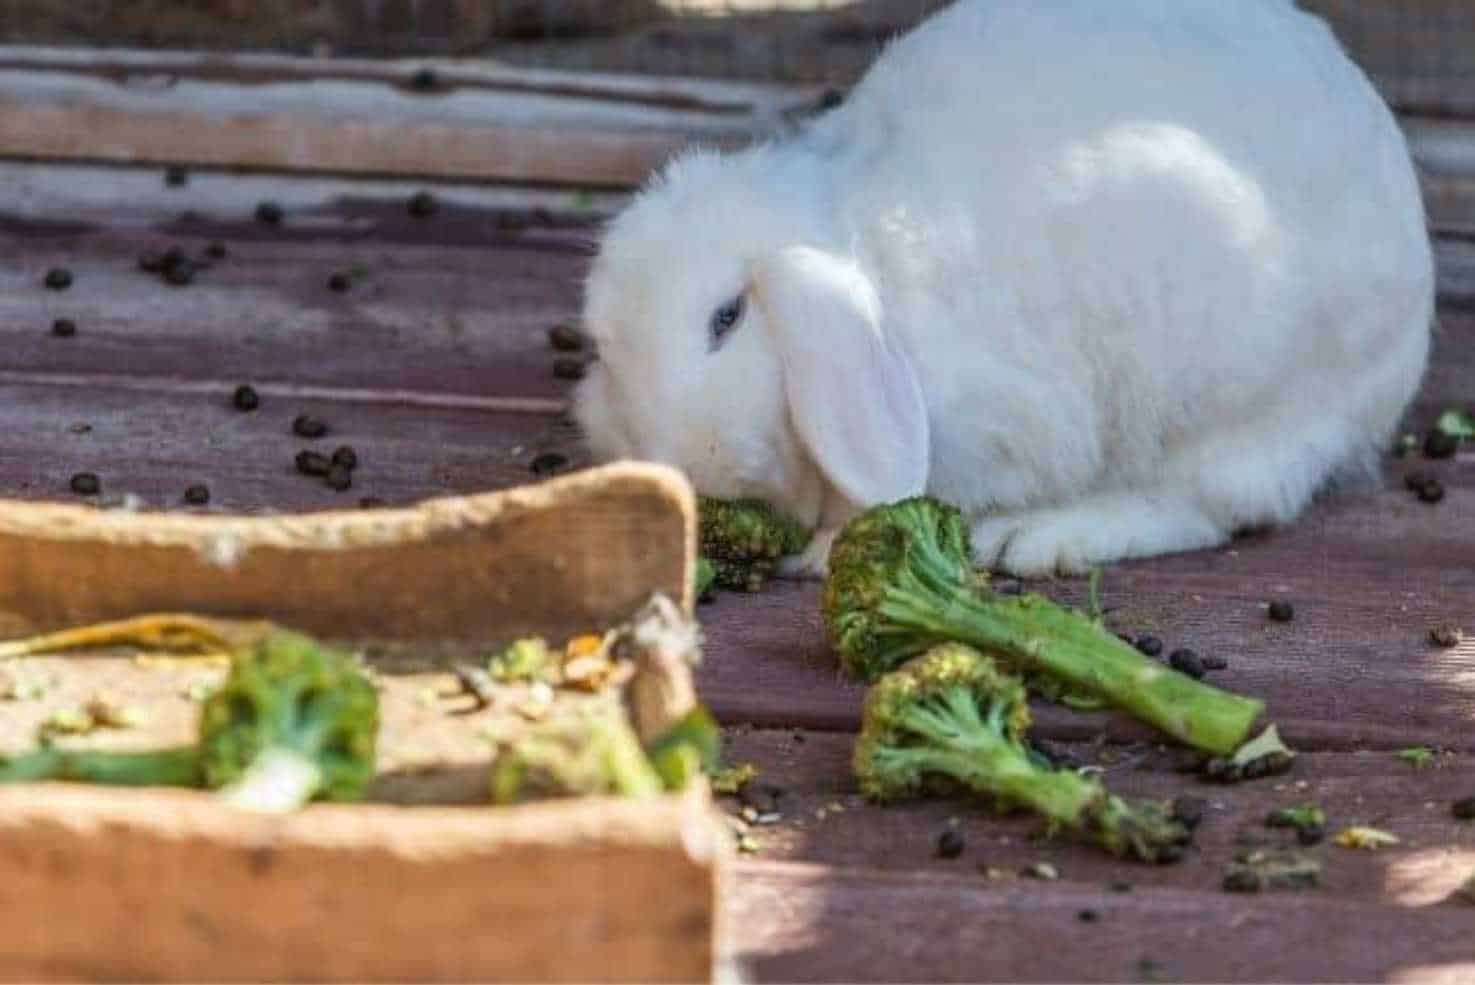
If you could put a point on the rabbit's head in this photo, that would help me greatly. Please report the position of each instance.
(736, 344)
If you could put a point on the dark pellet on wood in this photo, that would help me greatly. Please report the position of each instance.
(63, 328)
(1189, 811)
(1150, 645)
(176, 176)
(548, 463)
(1438, 444)
(197, 495)
(345, 456)
(1282, 611)
(950, 844)
(1313, 834)
(423, 205)
(245, 398)
(565, 338)
(307, 426)
(339, 283)
(179, 274)
(424, 80)
(269, 213)
(313, 463)
(1431, 491)
(58, 279)
(568, 369)
(339, 478)
(1120, 887)
(1185, 661)
(1463, 810)
(86, 484)
(216, 251)
(1088, 916)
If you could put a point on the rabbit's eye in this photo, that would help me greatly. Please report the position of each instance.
(725, 319)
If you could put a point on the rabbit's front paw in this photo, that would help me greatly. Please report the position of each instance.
(1072, 540)
(812, 563)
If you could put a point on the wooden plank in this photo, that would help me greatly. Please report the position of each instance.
(823, 820)
(455, 319)
(813, 923)
(555, 559)
(137, 107)
(164, 886)
(151, 437)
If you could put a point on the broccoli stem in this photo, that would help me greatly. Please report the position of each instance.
(1033, 635)
(177, 767)
(978, 754)
(278, 781)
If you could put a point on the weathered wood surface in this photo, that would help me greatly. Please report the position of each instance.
(169, 886)
(823, 924)
(305, 115)
(552, 559)
(436, 368)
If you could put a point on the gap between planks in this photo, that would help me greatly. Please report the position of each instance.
(537, 406)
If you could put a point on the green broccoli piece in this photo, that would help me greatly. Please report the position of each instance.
(703, 578)
(524, 660)
(743, 541)
(592, 753)
(294, 721)
(689, 748)
(901, 580)
(952, 714)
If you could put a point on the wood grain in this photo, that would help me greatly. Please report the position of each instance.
(165, 886)
(554, 559)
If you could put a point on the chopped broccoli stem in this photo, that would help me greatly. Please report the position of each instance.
(179, 767)
(743, 541)
(593, 754)
(289, 705)
(952, 713)
(901, 580)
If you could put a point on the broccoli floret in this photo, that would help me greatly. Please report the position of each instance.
(593, 753)
(691, 747)
(703, 577)
(743, 541)
(294, 721)
(952, 714)
(524, 660)
(901, 580)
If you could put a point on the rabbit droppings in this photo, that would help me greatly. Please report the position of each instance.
(1116, 279)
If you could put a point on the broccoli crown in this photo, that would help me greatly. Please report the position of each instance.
(290, 692)
(744, 539)
(949, 701)
(915, 551)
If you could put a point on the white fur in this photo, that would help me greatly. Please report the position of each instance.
(1159, 267)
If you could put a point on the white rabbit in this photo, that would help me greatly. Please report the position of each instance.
(1118, 279)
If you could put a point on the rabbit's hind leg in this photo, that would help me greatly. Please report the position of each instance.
(1099, 529)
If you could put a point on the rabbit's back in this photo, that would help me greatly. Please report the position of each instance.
(1129, 222)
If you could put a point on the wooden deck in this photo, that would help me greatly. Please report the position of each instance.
(436, 368)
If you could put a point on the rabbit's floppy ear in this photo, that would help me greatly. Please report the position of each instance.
(853, 394)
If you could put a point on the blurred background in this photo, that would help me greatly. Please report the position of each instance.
(1421, 50)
